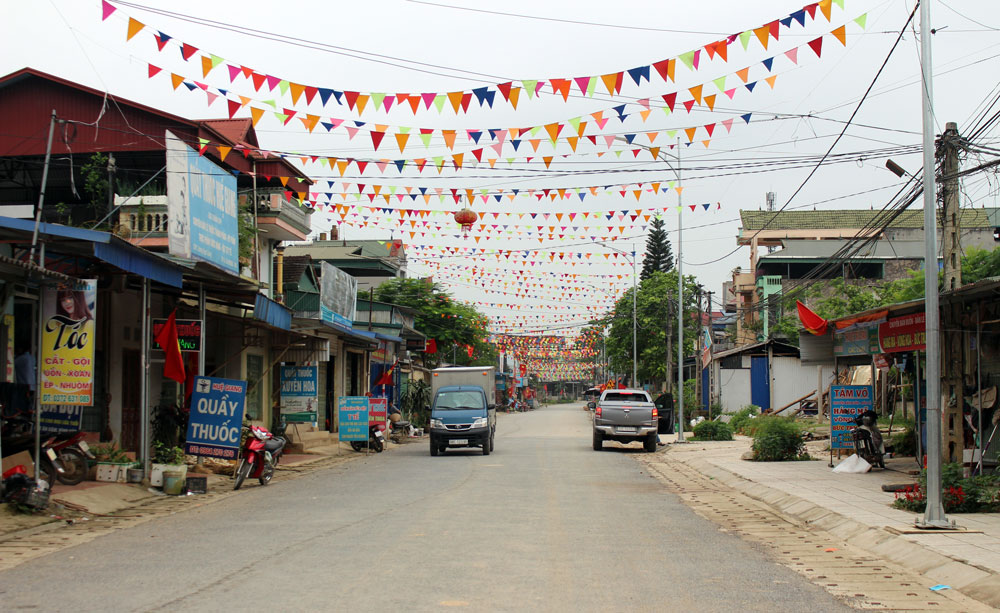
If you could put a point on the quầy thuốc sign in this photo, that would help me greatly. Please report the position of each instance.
(216, 417)
(299, 393)
(353, 414)
(846, 403)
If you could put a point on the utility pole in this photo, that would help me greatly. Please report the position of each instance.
(699, 388)
(711, 358)
(934, 516)
(950, 222)
(668, 373)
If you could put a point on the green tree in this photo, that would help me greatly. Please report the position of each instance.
(659, 255)
(656, 312)
(979, 264)
(453, 325)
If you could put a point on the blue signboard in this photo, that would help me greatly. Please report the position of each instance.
(846, 403)
(353, 417)
(61, 418)
(201, 205)
(216, 417)
(299, 393)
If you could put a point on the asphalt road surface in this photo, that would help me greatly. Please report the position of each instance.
(543, 523)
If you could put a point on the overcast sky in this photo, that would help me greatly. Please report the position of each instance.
(418, 47)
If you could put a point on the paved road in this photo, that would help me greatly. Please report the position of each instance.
(544, 523)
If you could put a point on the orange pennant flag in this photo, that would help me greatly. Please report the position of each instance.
(771, 79)
(456, 100)
(763, 33)
(690, 133)
(256, 114)
(206, 65)
(610, 82)
(223, 152)
(825, 6)
(134, 27)
(743, 74)
(401, 140)
(362, 102)
(841, 35)
(710, 101)
(515, 94)
(297, 91)
(547, 160)
(696, 93)
(176, 80)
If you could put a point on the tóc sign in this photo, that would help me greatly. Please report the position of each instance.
(216, 417)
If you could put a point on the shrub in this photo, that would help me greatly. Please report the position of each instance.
(743, 417)
(777, 439)
(905, 442)
(713, 431)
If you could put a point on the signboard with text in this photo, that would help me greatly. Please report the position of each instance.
(201, 207)
(68, 340)
(906, 333)
(378, 411)
(856, 341)
(62, 418)
(338, 295)
(299, 393)
(353, 414)
(188, 333)
(846, 403)
(216, 417)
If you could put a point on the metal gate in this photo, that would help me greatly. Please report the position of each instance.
(760, 382)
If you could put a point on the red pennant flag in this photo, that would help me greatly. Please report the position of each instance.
(431, 346)
(817, 46)
(106, 10)
(187, 51)
(166, 338)
(811, 321)
(153, 70)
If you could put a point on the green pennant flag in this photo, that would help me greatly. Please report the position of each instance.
(721, 83)
(216, 60)
(272, 103)
(529, 87)
(377, 99)
(426, 138)
(862, 20)
(672, 134)
(439, 101)
(535, 130)
(688, 59)
(392, 190)
(618, 153)
(839, 3)
(575, 122)
(591, 86)
(281, 117)
(404, 130)
(666, 110)
(745, 38)
(283, 86)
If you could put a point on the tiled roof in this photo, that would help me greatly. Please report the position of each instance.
(852, 219)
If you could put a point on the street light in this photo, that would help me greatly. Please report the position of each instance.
(680, 277)
(635, 299)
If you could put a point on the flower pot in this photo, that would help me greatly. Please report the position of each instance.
(156, 473)
(173, 481)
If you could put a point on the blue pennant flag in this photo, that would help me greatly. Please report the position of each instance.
(768, 63)
(324, 95)
(638, 74)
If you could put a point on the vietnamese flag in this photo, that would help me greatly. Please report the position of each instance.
(386, 378)
(811, 321)
(432, 346)
(173, 368)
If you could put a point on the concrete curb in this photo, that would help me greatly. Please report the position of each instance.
(972, 580)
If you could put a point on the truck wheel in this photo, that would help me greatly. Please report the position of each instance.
(434, 448)
(486, 446)
(491, 441)
(598, 441)
(650, 443)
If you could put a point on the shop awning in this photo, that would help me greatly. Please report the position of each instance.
(388, 337)
(103, 246)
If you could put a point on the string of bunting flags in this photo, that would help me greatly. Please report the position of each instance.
(510, 91)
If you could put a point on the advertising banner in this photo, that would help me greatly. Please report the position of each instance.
(216, 417)
(906, 333)
(353, 412)
(338, 295)
(68, 344)
(299, 393)
(64, 418)
(201, 207)
(188, 333)
(846, 403)
(378, 411)
(856, 341)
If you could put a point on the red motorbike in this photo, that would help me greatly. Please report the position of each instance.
(73, 453)
(259, 454)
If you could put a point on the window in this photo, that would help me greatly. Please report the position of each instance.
(619, 397)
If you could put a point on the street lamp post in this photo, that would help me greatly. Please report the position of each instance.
(680, 278)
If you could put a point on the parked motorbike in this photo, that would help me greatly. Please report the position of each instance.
(259, 454)
(19, 435)
(868, 442)
(73, 453)
(376, 437)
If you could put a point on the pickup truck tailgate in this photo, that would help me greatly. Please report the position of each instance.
(627, 414)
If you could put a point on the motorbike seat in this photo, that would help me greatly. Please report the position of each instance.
(274, 444)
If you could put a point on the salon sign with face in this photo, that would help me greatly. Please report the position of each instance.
(67, 354)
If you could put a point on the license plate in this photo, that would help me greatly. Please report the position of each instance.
(84, 446)
(459, 441)
(626, 429)
(52, 454)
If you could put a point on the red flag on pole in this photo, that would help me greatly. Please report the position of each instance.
(166, 338)
(431, 347)
(811, 321)
(386, 378)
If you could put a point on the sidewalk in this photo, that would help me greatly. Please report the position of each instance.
(854, 507)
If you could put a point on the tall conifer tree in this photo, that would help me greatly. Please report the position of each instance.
(659, 255)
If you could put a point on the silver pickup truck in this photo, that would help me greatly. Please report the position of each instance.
(624, 415)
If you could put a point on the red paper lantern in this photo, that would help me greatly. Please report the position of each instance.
(465, 218)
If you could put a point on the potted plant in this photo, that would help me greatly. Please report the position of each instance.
(112, 463)
(166, 459)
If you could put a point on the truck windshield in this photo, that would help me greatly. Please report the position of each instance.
(459, 400)
(618, 397)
